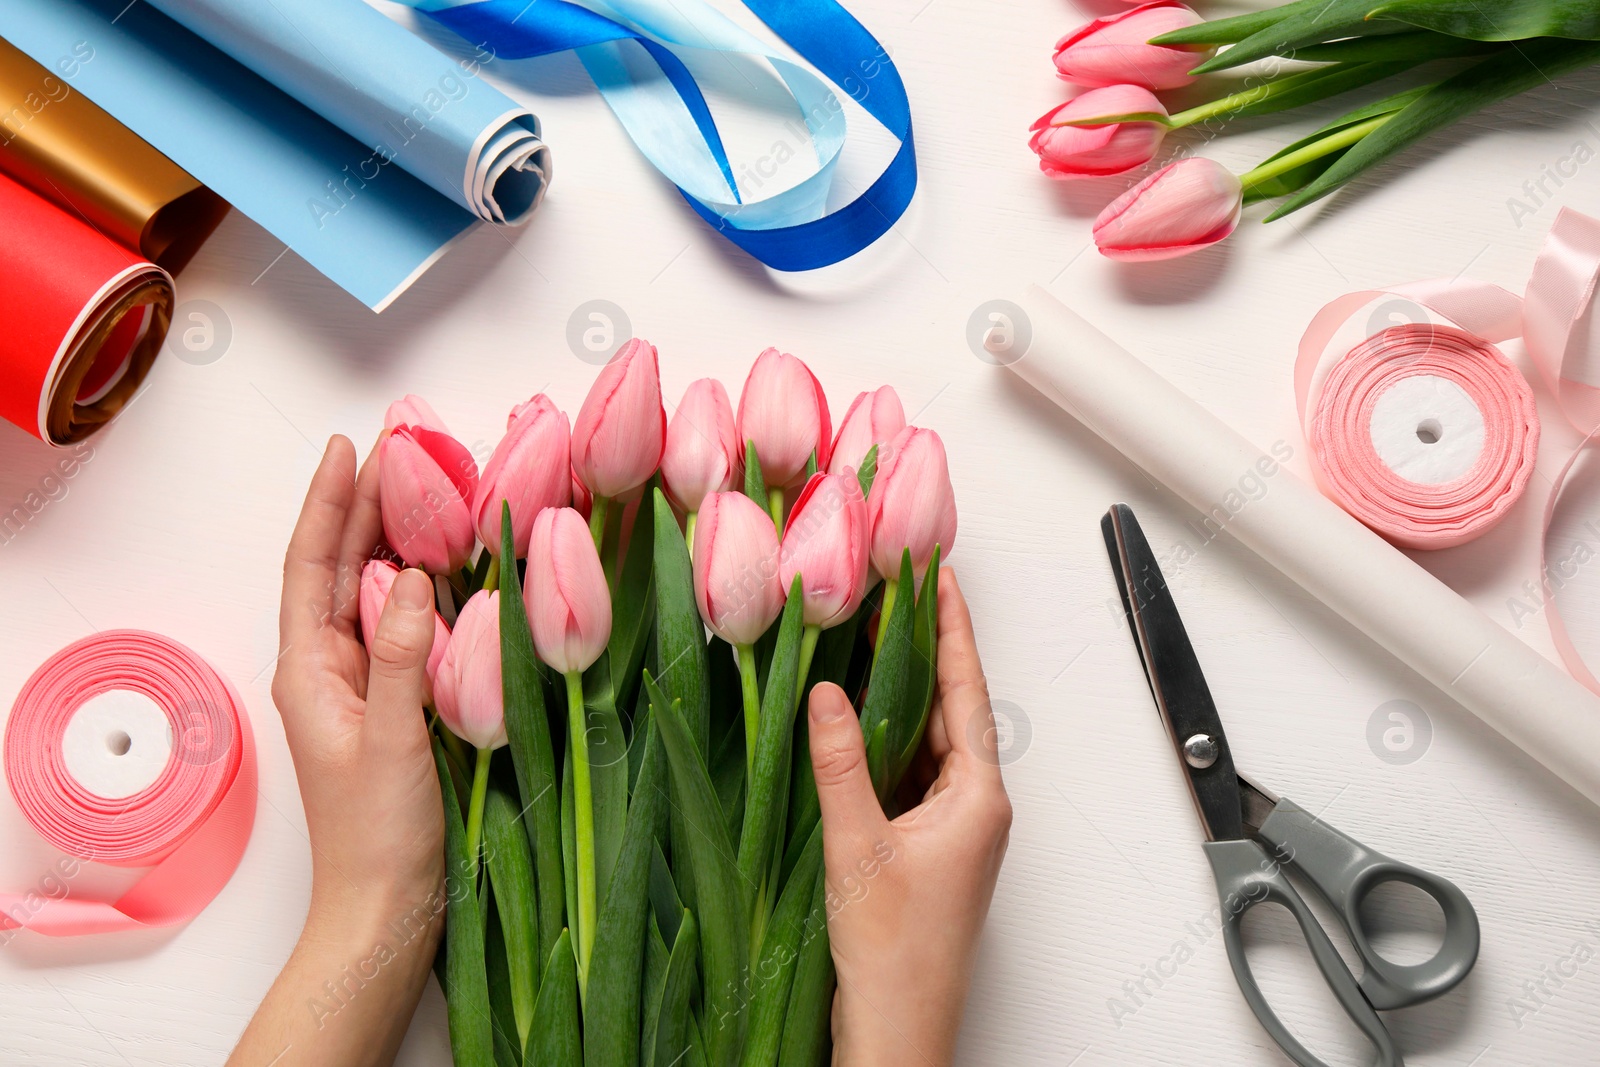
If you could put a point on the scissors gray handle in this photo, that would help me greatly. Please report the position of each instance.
(1246, 876)
(1344, 871)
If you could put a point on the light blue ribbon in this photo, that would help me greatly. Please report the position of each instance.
(635, 52)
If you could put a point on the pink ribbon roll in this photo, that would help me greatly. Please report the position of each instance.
(190, 825)
(1424, 432)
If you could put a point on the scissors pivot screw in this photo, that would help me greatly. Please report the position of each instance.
(1201, 751)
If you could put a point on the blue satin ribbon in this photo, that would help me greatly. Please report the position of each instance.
(671, 123)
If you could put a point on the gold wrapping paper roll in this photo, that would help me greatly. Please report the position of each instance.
(54, 141)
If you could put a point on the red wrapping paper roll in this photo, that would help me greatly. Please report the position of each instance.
(1407, 507)
(190, 825)
(84, 318)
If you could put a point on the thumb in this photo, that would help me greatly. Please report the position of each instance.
(397, 677)
(850, 809)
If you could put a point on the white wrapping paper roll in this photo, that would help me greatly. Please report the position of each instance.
(1426, 625)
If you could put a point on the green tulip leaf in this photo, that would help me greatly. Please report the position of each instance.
(467, 1008)
(1502, 75)
(807, 1023)
(908, 727)
(1408, 49)
(611, 1008)
(723, 905)
(1482, 21)
(890, 695)
(655, 976)
(510, 863)
(557, 1036)
(1302, 23)
(767, 797)
(1224, 31)
(532, 751)
(755, 486)
(780, 952)
(502, 1015)
(673, 1018)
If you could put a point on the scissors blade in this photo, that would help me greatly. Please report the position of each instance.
(1174, 675)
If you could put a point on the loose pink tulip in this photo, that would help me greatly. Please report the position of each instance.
(703, 453)
(377, 578)
(531, 467)
(621, 428)
(736, 568)
(1182, 208)
(783, 410)
(467, 690)
(873, 419)
(912, 504)
(412, 410)
(1115, 49)
(1067, 151)
(426, 481)
(569, 606)
(826, 543)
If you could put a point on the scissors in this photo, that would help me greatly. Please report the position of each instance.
(1252, 836)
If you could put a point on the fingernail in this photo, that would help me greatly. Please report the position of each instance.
(827, 707)
(412, 590)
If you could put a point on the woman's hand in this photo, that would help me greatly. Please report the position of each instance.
(354, 722)
(907, 898)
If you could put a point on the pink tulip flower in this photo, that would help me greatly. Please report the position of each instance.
(582, 499)
(621, 429)
(702, 454)
(827, 543)
(1182, 208)
(783, 410)
(912, 504)
(873, 419)
(1067, 151)
(377, 578)
(412, 410)
(467, 689)
(1115, 49)
(426, 481)
(531, 468)
(569, 605)
(736, 568)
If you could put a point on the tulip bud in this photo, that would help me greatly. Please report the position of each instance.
(826, 543)
(912, 504)
(426, 481)
(569, 605)
(530, 468)
(783, 410)
(621, 428)
(1115, 49)
(412, 410)
(736, 568)
(1069, 151)
(703, 452)
(467, 689)
(873, 419)
(582, 499)
(377, 578)
(1182, 208)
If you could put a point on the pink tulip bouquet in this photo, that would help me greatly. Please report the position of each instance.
(1485, 52)
(632, 829)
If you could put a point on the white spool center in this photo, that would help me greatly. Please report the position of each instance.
(117, 743)
(1427, 430)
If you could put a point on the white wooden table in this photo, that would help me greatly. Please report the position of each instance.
(1100, 948)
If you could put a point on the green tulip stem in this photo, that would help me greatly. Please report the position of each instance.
(775, 505)
(1334, 142)
(808, 648)
(688, 532)
(480, 792)
(597, 519)
(891, 586)
(752, 705)
(491, 577)
(583, 804)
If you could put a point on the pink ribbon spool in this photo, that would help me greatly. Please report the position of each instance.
(190, 825)
(1407, 505)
